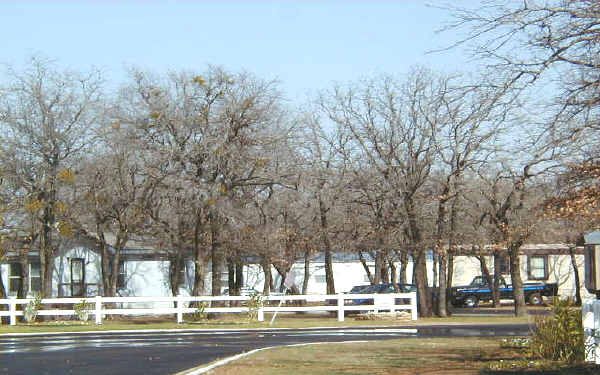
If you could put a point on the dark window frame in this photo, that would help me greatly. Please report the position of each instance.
(38, 288)
(81, 284)
(14, 280)
(530, 274)
(121, 273)
(122, 276)
(504, 265)
(182, 282)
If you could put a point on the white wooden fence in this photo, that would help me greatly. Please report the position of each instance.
(591, 329)
(339, 303)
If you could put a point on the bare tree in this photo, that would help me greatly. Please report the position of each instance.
(531, 45)
(393, 127)
(46, 120)
(213, 135)
(470, 124)
(325, 171)
(508, 211)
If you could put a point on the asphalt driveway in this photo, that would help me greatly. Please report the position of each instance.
(169, 352)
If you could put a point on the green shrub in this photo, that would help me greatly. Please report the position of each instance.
(559, 337)
(200, 313)
(83, 309)
(31, 309)
(255, 303)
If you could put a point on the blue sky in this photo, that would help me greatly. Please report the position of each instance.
(305, 44)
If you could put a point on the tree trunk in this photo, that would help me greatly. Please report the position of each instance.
(283, 271)
(576, 276)
(496, 284)
(385, 271)
(114, 276)
(46, 266)
(239, 275)
(327, 247)
(435, 268)
(306, 271)
(403, 267)
(329, 273)
(232, 290)
(231, 278)
(363, 261)
(47, 246)
(420, 271)
(266, 266)
(517, 282)
(442, 300)
(378, 266)
(24, 279)
(198, 288)
(216, 261)
(393, 272)
(419, 258)
(450, 274)
(104, 261)
(485, 271)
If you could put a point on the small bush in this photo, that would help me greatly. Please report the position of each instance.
(83, 309)
(200, 313)
(559, 337)
(31, 309)
(255, 303)
(516, 343)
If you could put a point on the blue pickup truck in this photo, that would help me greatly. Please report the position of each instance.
(470, 295)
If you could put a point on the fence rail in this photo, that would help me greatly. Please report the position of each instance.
(340, 303)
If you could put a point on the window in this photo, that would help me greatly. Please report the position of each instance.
(77, 277)
(320, 279)
(537, 267)
(504, 265)
(14, 278)
(122, 275)
(224, 279)
(15, 275)
(35, 277)
(182, 276)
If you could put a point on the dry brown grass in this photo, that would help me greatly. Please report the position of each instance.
(448, 356)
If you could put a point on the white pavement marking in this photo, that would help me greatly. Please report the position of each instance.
(203, 370)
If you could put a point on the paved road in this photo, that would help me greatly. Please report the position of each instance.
(170, 352)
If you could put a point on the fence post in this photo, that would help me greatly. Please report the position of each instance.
(413, 303)
(261, 312)
(588, 330)
(596, 339)
(179, 309)
(12, 308)
(98, 310)
(340, 303)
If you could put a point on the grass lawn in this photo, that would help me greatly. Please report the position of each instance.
(405, 356)
(238, 322)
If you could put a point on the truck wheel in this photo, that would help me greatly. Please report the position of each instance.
(535, 299)
(470, 301)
